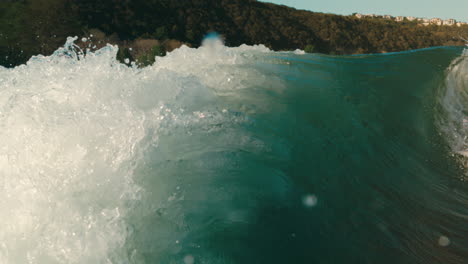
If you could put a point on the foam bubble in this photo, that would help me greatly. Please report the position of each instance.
(309, 200)
(444, 241)
(189, 259)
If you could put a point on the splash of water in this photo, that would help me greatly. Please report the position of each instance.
(74, 128)
(454, 102)
(230, 155)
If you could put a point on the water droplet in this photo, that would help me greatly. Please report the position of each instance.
(309, 200)
(189, 259)
(444, 241)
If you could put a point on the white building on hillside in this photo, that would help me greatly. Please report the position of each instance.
(450, 22)
(421, 21)
(436, 21)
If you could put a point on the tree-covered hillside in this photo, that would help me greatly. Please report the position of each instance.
(29, 27)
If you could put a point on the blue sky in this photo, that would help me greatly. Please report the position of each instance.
(457, 9)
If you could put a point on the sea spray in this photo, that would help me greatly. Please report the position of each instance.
(70, 137)
(233, 155)
(453, 121)
(74, 129)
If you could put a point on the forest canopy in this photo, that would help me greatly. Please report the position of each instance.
(30, 27)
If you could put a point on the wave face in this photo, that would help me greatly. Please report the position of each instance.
(235, 155)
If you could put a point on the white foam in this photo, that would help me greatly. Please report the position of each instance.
(72, 131)
(299, 52)
(454, 102)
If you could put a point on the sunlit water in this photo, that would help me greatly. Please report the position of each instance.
(235, 155)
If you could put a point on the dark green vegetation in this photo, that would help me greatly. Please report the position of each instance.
(29, 27)
(149, 57)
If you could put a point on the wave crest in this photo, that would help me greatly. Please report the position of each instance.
(454, 104)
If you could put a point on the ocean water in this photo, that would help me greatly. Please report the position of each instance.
(235, 155)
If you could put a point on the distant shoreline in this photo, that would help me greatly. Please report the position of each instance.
(157, 26)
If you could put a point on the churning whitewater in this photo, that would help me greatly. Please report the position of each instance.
(235, 155)
(454, 122)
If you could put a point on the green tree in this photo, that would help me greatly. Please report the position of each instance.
(309, 48)
(150, 57)
(161, 33)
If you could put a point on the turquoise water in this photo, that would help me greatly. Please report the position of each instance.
(235, 155)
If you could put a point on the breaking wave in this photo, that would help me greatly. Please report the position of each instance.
(234, 155)
(454, 102)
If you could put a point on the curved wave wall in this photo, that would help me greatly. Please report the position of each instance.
(235, 155)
